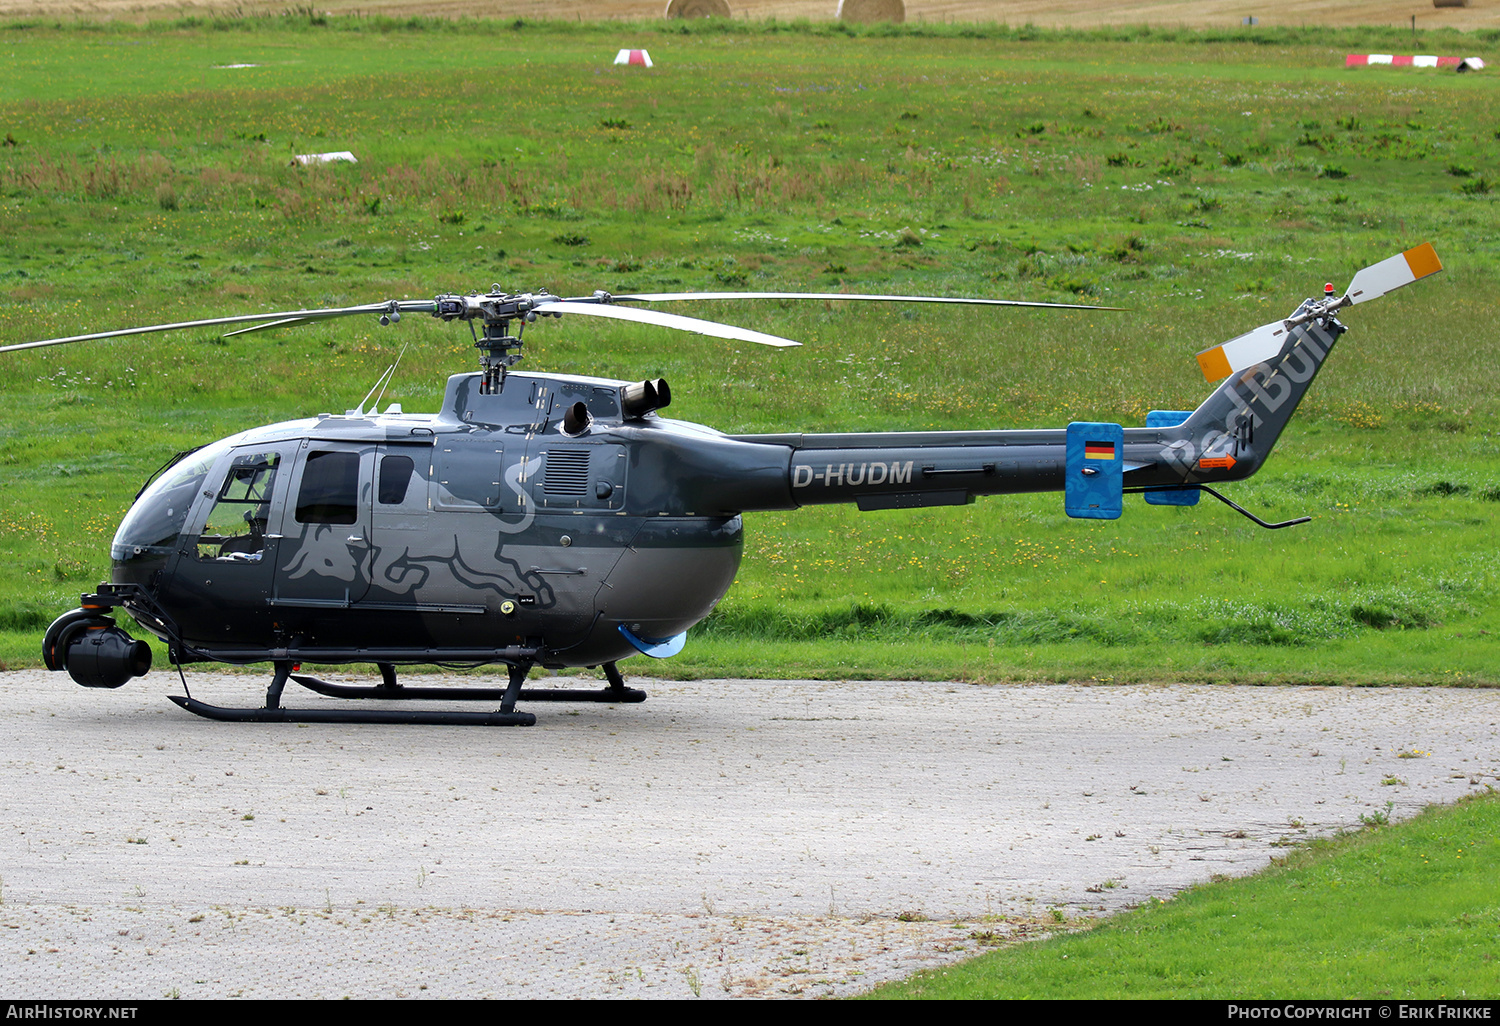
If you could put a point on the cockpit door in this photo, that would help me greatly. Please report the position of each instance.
(326, 542)
(220, 575)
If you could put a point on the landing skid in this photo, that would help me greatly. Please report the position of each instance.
(619, 694)
(403, 716)
(391, 688)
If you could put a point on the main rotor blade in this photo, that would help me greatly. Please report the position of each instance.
(285, 322)
(666, 320)
(669, 297)
(291, 316)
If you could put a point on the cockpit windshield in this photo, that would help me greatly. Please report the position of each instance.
(152, 527)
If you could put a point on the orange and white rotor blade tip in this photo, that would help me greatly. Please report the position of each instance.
(1243, 351)
(1389, 275)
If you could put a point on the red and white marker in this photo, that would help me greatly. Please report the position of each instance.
(1359, 60)
(640, 57)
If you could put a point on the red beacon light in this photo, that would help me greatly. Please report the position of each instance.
(1328, 288)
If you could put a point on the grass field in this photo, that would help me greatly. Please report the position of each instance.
(1407, 912)
(1206, 181)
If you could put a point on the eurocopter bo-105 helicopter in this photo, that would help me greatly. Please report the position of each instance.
(552, 520)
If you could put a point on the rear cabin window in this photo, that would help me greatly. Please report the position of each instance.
(395, 475)
(330, 489)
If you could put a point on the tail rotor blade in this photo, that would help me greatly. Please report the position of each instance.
(1266, 341)
(1242, 351)
(1389, 275)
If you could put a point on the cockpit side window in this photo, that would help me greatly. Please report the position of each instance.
(236, 528)
(153, 527)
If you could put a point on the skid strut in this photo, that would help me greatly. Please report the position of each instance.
(272, 712)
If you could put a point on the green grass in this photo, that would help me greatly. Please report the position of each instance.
(1207, 181)
(1405, 912)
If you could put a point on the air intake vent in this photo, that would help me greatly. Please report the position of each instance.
(567, 473)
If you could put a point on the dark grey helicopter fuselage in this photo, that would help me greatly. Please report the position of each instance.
(544, 518)
(455, 536)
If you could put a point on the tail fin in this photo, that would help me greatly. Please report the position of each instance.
(1235, 428)
(1270, 369)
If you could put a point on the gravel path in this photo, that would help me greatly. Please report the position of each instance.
(725, 838)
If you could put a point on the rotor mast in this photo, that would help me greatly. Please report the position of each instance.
(499, 350)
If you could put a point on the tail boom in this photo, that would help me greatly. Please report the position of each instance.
(1227, 438)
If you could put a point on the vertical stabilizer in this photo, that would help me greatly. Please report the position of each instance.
(1270, 369)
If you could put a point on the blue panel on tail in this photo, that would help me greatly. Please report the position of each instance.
(1181, 497)
(1095, 479)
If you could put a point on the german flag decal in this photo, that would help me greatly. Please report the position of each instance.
(1098, 450)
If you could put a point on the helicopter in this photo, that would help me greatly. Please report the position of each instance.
(561, 521)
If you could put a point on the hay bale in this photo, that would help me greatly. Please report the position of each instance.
(697, 9)
(866, 11)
